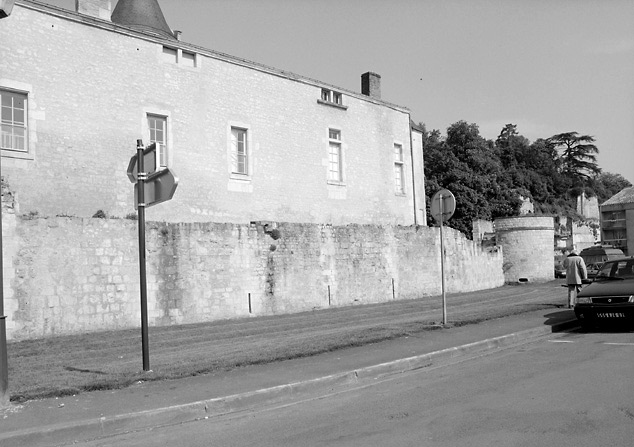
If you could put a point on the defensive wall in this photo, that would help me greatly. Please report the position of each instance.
(65, 275)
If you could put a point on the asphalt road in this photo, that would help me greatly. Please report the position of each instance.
(570, 390)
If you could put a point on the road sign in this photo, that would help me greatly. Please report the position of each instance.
(443, 203)
(149, 163)
(159, 187)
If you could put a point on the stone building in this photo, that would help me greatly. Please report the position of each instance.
(617, 221)
(588, 207)
(248, 142)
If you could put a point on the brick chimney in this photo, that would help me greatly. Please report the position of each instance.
(101, 9)
(371, 85)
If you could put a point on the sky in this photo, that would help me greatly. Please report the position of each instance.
(548, 66)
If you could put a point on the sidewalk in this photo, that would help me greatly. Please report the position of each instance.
(149, 404)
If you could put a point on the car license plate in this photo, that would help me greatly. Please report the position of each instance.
(611, 315)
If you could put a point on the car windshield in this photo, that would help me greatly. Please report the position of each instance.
(617, 270)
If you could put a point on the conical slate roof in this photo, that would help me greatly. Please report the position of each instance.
(143, 15)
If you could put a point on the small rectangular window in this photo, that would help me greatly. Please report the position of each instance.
(331, 96)
(335, 168)
(157, 126)
(239, 151)
(398, 169)
(188, 59)
(615, 215)
(170, 54)
(14, 121)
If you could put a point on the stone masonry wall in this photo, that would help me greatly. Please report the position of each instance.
(67, 275)
(528, 243)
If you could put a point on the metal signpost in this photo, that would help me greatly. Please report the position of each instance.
(151, 187)
(443, 205)
(4, 362)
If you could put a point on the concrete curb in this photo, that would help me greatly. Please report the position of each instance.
(114, 425)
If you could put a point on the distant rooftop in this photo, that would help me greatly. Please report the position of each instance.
(624, 196)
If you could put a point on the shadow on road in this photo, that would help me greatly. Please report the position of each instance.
(559, 316)
(566, 314)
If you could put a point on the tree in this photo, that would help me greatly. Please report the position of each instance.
(606, 184)
(578, 158)
(468, 165)
(487, 178)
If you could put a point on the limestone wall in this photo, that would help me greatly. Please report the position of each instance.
(67, 275)
(90, 87)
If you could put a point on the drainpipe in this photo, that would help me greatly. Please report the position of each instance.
(411, 149)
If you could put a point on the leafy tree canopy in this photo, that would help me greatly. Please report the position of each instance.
(490, 178)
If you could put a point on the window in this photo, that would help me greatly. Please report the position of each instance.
(178, 56)
(170, 54)
(398, 169)
(239, 151)
(188, 59)
(335, 168)
(330, 96)
(614, 216)
(157, 126)
(14, 131)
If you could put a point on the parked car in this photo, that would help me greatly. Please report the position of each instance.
(593, 269)
(595, 256)
(609, 298)
(560, 270)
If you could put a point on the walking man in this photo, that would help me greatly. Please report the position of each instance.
(576, 272)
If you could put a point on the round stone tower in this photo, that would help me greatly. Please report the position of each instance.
(528, 246)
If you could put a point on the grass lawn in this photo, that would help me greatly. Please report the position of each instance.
(67, 365)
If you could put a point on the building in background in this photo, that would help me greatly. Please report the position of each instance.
(617, 220)
(248, 142)
(588, 207)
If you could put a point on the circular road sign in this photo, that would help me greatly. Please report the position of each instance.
(443, 203)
